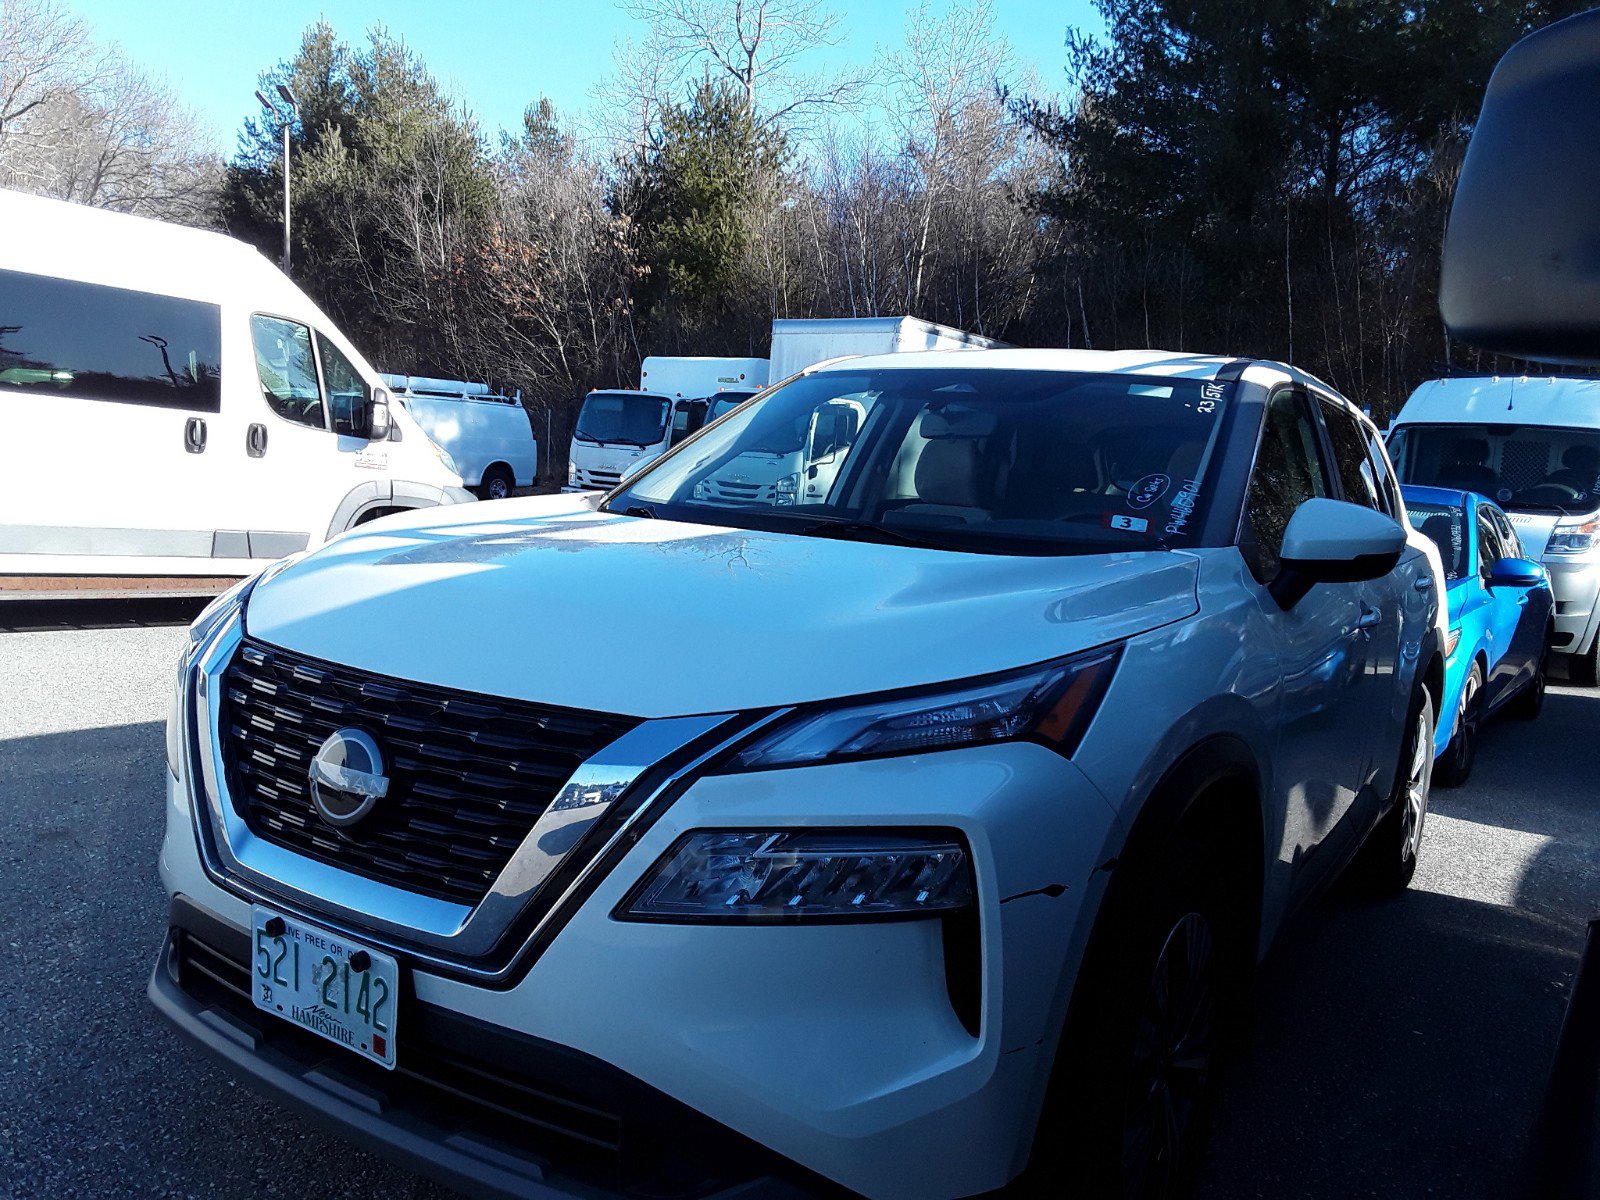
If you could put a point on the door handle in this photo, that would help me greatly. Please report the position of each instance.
(1423, 583)
(1369, 617)
(255, 441)
(194, 435)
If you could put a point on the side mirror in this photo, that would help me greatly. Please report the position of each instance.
(380, 423)
(1330, 541)
(1516, 573)
(1521, 265)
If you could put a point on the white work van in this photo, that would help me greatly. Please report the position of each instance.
(619, 430)
(172, 407)
(1532, 445)
(798, 344)
(487, 437)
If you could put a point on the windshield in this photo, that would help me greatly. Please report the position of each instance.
(992, 461)
(725, 402)
(1442, 524)
(1519, 466)
(632, 418)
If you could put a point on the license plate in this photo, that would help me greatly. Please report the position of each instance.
(326, 983)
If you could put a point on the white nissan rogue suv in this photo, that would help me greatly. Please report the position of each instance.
(912, 840)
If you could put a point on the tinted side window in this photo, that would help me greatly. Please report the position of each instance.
(1350, 457)
(91, 342)
(1288, 472)
(1509, 541)
(348, 393)
(1388, 487)
(288, 370)
(1489, 547)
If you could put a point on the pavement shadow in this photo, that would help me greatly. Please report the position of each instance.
(1401, 1050)
(29, 616)
(101, 1097)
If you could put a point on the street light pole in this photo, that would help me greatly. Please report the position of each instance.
(285, 122)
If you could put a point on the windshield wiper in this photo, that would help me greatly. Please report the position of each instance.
(866, 531)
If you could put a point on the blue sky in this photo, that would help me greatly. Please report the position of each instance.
(497, 57)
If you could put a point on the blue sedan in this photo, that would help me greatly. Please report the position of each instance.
(1500, 621)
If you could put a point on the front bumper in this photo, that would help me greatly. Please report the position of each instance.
(1575, 586)
(839, 1050)
(484, 1110)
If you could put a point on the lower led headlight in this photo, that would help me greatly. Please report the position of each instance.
(805, 875)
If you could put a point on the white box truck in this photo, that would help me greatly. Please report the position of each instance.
(802, 470)
(173, 408)
(619, 430)
(798, 344)
(487, 437)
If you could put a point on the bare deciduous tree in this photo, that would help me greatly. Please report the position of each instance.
(79, 122)
(761, 46)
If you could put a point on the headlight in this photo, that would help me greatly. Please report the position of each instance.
(444, 457)
(1574, 537)
(786, 490)
(1052, 704)
(572, 474)
(702, 490)
(799, 875)
(212, 618)
(1452, 639)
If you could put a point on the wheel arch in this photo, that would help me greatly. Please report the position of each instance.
(1214, 788)
(1432, 673)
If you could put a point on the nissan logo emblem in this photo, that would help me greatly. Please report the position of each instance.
(347, 777)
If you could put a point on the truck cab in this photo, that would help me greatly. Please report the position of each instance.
(621, 429)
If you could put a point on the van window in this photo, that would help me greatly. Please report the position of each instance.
(348, 393)
(1529, 467)
(1288, 472)
(59, 337)
(288, 370)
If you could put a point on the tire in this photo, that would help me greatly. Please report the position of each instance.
(1529, 702)
(1455, 764)
(497, 484)
(1166, 976)
(1584, 669)
(1387, 861)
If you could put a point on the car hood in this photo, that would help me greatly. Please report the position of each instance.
(545, 599)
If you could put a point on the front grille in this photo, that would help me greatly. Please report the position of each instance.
(748, 493)
(605, 479)
(468, 775)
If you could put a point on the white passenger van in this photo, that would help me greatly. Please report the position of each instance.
(1532, 445)
(172, 406)
(619, 430)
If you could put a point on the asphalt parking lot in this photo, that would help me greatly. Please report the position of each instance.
(1400, 1048)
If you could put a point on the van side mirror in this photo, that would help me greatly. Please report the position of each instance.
(1331, 541)
(381, 424)
(1515, 573)
(1521, 266)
